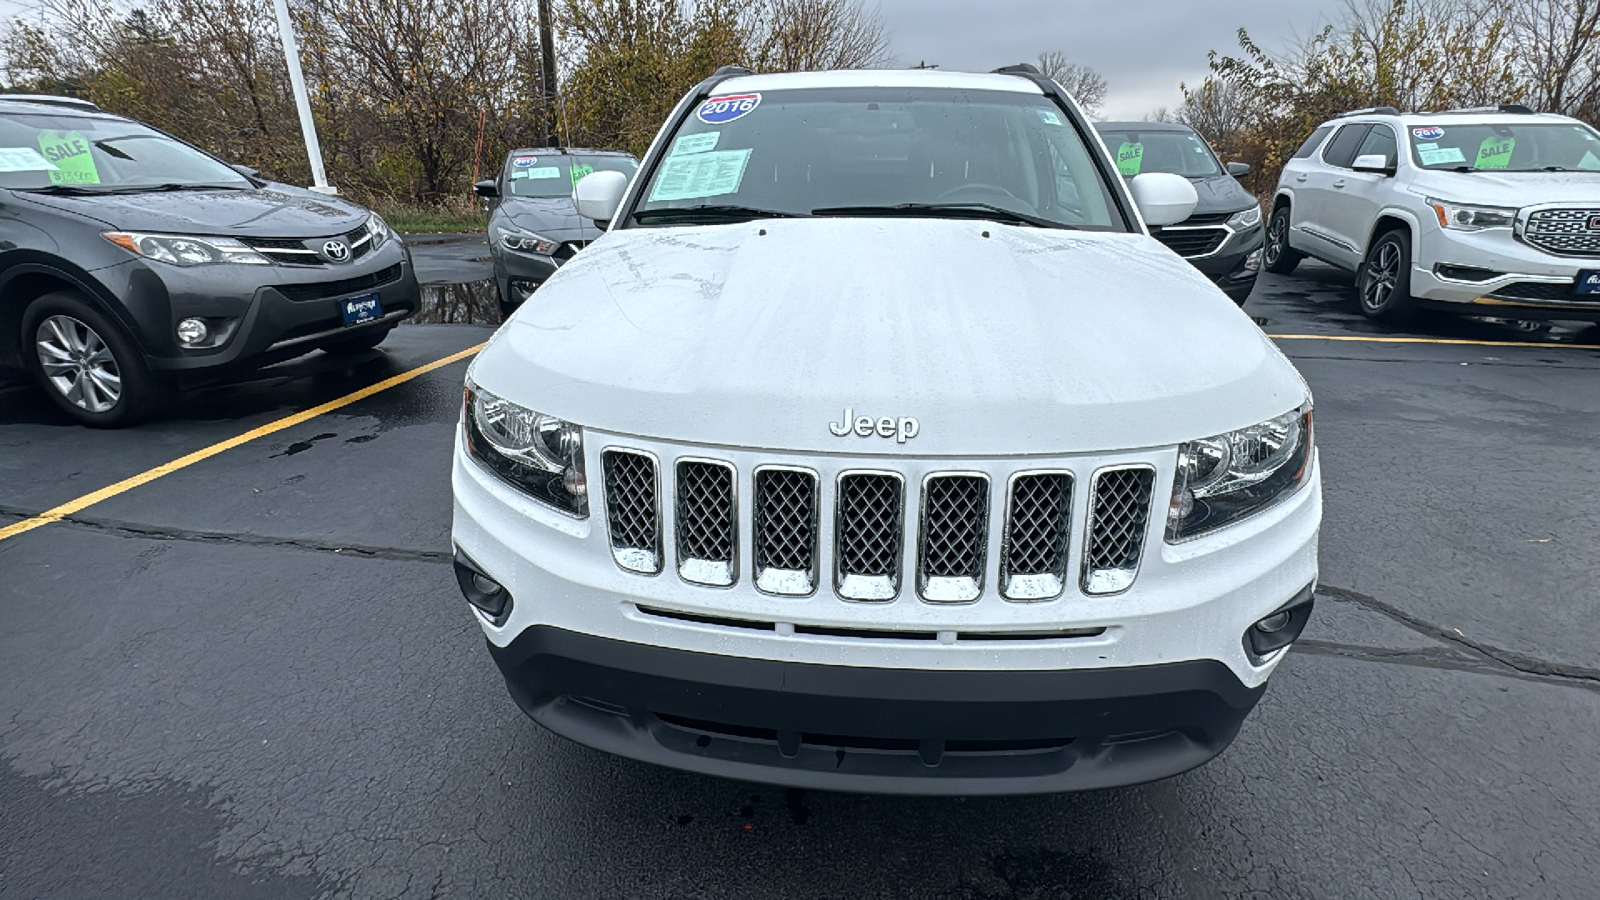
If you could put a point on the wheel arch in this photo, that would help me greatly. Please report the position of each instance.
(25, 282)
(1392, 220)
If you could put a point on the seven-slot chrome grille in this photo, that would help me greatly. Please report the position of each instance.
(866, 545)
(1564, 232)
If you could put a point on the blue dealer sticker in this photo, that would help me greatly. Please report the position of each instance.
(722, 110)
(523, 162)
(1431, 133)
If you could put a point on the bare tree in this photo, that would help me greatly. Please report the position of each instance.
(1215, 109)
(1084, 84)
(814, 35)
(1558, 45)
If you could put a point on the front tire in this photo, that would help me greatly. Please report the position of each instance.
(87, 365)
(1277, 256)
(1383, 285)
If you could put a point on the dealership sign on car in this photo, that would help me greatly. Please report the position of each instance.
(721, 110)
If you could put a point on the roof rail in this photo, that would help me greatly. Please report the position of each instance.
(731, 71)
(1018, 69)
(1515, 109)
(49, 100)
(1370, 111)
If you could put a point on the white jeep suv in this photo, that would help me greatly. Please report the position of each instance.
(876, 446)
(1492, 212)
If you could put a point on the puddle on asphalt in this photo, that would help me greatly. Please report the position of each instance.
(468, 303)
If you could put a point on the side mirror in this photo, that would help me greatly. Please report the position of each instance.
(1376, 163)
(487, 189)
(1238, 169)
(246, 171)
(598, 194)
(1163, 198)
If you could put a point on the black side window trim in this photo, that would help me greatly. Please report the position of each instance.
(1313, 142)
(1358, 133)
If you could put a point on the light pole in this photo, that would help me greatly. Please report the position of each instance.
(302, 102)
(547, 65)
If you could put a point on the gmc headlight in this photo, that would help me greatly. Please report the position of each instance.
(1245, 218)
(187, 250)
(517, 240)
(1464, 217)
(1223, 479)
(538, 454)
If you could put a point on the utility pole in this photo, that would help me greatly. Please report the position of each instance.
(547, 63)
(302, 102)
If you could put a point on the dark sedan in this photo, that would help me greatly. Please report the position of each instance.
(533, 226)
(1223, 238)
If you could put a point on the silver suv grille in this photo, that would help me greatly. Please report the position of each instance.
(786, 531)
(869, 530)
(633, 510)
(1564, 232)
(1118, 521)
(1033, 565)
(707, 531)
(954, 540)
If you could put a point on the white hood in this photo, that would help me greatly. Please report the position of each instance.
(1510, 189)
(761, 335)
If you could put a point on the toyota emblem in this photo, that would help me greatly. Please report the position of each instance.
(336, 251)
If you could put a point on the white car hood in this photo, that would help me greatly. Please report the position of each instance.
(1511, 189)
(762, 334)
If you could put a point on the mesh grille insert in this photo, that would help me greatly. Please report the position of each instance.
(1039, 523)
(786, 530)
(870, 517)
(632, 510)
(1118, 521)
(706, 527)
(954, 537)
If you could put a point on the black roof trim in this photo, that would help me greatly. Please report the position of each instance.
(50, 100)
(1370, 111)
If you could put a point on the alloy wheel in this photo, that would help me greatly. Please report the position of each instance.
(1275, 239)
(1383, 270)
(80, 365)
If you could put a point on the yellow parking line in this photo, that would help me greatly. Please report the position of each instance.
(127, 484)
(1424, 340)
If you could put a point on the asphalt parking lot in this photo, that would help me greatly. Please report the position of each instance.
(253, 676)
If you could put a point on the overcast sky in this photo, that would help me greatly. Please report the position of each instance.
(1144, 48)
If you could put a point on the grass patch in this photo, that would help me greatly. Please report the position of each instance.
(425, 219)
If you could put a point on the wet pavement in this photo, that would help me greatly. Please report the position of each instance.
(254, 676)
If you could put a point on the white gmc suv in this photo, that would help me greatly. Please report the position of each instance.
(1490, 212)
(876, 446)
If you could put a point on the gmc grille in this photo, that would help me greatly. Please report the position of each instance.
(1564, 232)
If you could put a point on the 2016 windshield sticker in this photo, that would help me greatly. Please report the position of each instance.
(722, 110)
(700, 175)
(1495, 152)
(523, 162)
(69, 152)
(1430, 133)
(1442, 155)
(1130, 159)
(695, 143)
(23, 159)
(1048, 116)
(538, 173)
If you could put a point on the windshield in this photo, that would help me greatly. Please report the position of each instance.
(98, 154)
(1507, 147)
(531, 175)
(864, 151)
(1177, 152)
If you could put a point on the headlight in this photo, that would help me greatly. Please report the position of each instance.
(526, 242)
(1223, 479)
(1462, 217)
(538, 454)
(185, 250)
(379, 229)
(1245, 218)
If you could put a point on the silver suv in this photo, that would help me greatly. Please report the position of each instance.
(1492, 211)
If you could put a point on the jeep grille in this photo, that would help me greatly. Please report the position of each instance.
(1033, 565)
(1118, 521)
(633, 510)
(707, 529)
(786, 531)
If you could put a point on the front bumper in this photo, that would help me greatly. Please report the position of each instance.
(1230, 267)
(518, 275)
(1529, 284)
(876, 730)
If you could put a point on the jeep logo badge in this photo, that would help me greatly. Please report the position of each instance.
(336, 251)
(901, 429)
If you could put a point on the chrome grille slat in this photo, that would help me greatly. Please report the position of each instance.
(1119, 520)
(869, 535)
(1033, 560)
(1564, 232)
(785, 523)
(633, 509)
(706, 527)
(952, 545)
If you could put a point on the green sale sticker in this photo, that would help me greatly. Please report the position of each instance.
(1130, 159)
(1495, 153)
(70, 153)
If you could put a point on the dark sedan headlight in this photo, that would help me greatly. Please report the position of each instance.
(1223, 479)
(538, 454)
(520, 241)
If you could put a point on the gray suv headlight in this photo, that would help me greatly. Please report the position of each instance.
(187, 250)
(540, 455)
(1223, 479)
(1245, 218)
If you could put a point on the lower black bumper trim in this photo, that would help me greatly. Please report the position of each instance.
(877, 730)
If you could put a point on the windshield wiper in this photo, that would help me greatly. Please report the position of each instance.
(80, 190)
(945, 211)
(711, 213)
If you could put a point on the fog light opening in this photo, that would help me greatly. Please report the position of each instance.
(1280, 628)
(1252, 263)
(486, 595)
(193, 332)
(1273, 623)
